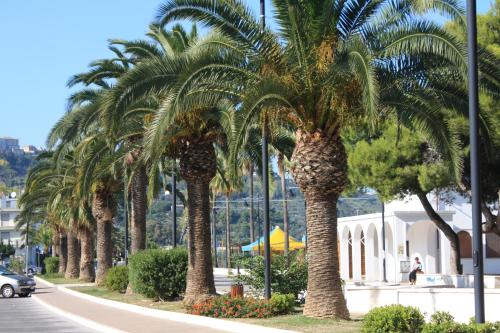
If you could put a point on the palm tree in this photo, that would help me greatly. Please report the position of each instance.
(187, 132)
(324, 70)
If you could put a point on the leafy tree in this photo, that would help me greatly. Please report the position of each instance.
(400, 163)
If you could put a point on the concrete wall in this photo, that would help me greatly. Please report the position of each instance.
(458, 302)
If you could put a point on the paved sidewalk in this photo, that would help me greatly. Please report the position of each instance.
(117, 319)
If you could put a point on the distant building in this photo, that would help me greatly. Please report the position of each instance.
(8, 213)
(409, 233)
(30, 149)
(8, 144)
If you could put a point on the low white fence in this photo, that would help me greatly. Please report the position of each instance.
(457, 301)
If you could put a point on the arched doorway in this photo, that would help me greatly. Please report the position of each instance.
(465, 241)
(423, 243)
(372, 254)
(363, 256)
(350, 255)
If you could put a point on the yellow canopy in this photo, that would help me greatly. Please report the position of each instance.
(277, 240)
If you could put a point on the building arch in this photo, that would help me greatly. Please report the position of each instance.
(372, 254)
(358, 254)
(465, 241)
(423, 243)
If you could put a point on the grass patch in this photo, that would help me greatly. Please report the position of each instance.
(297, 322)
(134, 299)
(59, 279)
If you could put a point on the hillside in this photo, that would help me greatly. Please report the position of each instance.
(13, 170)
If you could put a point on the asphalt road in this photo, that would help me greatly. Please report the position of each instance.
(25, 315)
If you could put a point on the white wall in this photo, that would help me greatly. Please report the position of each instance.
(458, 302)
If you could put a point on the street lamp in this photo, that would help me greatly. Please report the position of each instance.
(265, 180)
(174, 208)
(477, 237)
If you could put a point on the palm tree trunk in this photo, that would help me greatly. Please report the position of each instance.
(56, 244)
(103, 209)
(138, 211)
(449, 233)
(72, 266)
(252, 233)
(228, 233)
(281, 167)
(87, 273)
(197, 168)
(63, 255)
(319, 167)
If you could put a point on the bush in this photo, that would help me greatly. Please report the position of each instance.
(285, 278)
(17, 265)
(117, 279)
(243, 307)
(282, 304)
(442, 317)
(159, 274)
(51, 265)
(443, 322)
(392, 319)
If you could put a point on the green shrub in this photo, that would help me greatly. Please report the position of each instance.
(51, 265)
(393, 319)
(17, 265)
(282, 304)
(159, 274)
(442, 317)
(117, 279)
(285, 278)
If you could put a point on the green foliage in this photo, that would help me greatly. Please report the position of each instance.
(396, 164)
(441, 317)
(285, 278)
(6, 250)
(443, 322)
(117, 279)
(282, 303)
(17, 265)
(243, 307)
(51, 265)
(393, 319)
(159, 274)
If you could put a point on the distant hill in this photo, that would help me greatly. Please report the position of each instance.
(14, 167)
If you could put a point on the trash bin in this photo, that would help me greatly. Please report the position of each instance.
(236, 290)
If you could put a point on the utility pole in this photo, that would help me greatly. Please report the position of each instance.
(265, 180)
(125, 215)
(174, 207)
(27, 246)
(477, 237)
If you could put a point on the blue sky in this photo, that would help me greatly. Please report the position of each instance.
(45, 42)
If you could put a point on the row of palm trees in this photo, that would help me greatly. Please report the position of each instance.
(205, 100)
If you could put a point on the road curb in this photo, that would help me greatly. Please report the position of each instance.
(219, 324)
(77, 319)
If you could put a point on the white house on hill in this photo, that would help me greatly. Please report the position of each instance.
(409, 233)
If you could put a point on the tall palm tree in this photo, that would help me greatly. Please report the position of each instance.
(184, 131)
(325, 69)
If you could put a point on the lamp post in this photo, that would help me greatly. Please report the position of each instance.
(174, 208)
(125, 213)
(265, 180)
(477, 237)
(27, 246)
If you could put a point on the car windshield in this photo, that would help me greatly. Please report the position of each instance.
(5, 271)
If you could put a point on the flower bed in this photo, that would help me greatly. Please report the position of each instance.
(243, 307)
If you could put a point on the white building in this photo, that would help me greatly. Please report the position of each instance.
(8, 213)
(409, 233)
